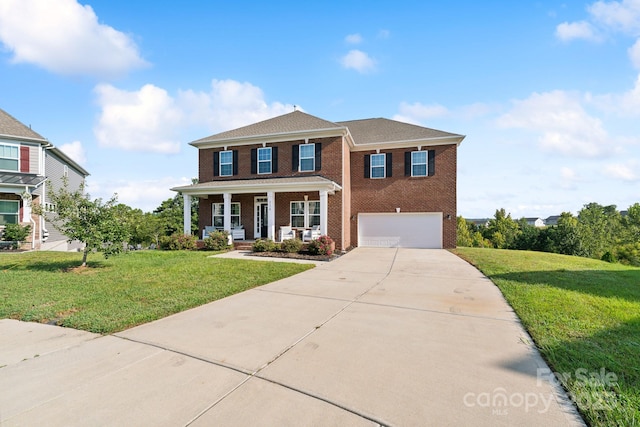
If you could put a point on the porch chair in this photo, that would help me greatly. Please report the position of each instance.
(312, 234)
(238, 233)
(287, 233)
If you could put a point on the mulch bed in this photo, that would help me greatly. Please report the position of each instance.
(296, 255)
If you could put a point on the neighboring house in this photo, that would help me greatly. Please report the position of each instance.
(552, 220)
(536, 222)
(479, 222)
(27, 162)
(373, 182)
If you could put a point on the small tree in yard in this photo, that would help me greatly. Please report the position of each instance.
(92, 222)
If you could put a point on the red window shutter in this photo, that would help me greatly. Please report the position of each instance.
(24, 159)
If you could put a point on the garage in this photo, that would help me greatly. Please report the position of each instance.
(400, 230)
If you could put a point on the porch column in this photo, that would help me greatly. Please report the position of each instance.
(186, 212)
(271, 216)
(324, 212)
(226, 197)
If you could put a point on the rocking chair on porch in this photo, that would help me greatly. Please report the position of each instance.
(309, 235)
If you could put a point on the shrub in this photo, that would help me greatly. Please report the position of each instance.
(15, 232)
(291, 245)
(629, 254)
(217, 241)
(177, 242)
(608, 257)
(323, 245)
(264, 245)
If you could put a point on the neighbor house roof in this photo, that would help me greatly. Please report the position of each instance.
(10, 127)
(361, 134)
(20, 180)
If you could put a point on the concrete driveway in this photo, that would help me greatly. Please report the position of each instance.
(398, 337)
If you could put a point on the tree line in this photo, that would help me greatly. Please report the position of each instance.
(597, 231)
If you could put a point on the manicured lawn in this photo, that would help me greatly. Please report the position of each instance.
(123, 291)
(584, 316)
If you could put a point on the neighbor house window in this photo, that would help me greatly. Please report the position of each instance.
(9, 210)
(264, 160)
(226, 163)
(9, 157)
(305, 214)
(307, 158)
(419, 163)
(378, 166)
(217, 211)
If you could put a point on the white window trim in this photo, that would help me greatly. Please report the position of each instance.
(313, 157)
(383, 166)
(220, 164)
(270, 161)
(213, 214)
(17, 202)
(11, 158)
(307, 213)
(426, 163)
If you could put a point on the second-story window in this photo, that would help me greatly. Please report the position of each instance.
(264, 160)
(9, 157)
(419, 163)
(307, 158)
(378, 166)
(226, 163)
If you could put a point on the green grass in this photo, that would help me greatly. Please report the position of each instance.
(584, 316)
(123, 291)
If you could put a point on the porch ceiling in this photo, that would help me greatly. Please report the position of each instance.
(261, 185)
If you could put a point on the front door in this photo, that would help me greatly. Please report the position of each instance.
(261, 218)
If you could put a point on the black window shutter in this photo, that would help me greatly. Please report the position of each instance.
(274, 159)
(407, 163)
(432, 162)
(254, 160)
(216, 163)
(367, 165)
(389, 164)
(318, 156)
(295, 157)
(235, 162)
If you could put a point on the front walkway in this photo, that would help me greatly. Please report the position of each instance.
(377, 337)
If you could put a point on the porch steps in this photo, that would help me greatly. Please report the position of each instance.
(242, 245)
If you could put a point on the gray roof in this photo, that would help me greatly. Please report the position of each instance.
(20, 179)
(363, 132)
(9, 126)
(310, 183)
(296, 121)
(380, 130)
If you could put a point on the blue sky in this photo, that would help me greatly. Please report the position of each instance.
(547, 92)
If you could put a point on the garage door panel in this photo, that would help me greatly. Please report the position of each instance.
(403, 230)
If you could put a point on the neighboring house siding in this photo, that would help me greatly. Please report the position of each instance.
(34, 159)
(435, 193)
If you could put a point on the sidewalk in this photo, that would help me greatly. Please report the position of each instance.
(377, 337)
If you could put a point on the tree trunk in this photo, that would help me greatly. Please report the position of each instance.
(84, 256)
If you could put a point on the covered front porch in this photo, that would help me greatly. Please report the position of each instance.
(264, 208)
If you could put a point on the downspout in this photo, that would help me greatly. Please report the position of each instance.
(42, 203)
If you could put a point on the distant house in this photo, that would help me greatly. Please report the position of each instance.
(478, 222)
(536, 222)
(371, 182)
(27, 162)
(552, 220)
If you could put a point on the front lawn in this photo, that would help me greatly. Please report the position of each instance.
(123, 291)
(584, 316)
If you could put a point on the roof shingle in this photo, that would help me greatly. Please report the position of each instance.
(9, 126)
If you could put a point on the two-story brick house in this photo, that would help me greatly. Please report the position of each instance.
(27, 162)
(373, 182)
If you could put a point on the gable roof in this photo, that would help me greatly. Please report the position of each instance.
(366, 134)
(12, 128)
(384, 131)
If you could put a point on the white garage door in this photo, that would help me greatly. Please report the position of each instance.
(400, 230)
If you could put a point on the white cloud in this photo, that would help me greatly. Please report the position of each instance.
(568, 31)
(65, 37)
(229, 104)
(359, 61)
(129, 192)
(623, 172)
(619, 15)
(353, 38)
(564, 125)
(75, 150)
(626, 104)
(568, 178)
(634, 54)
(417, 113)
(143, 120)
